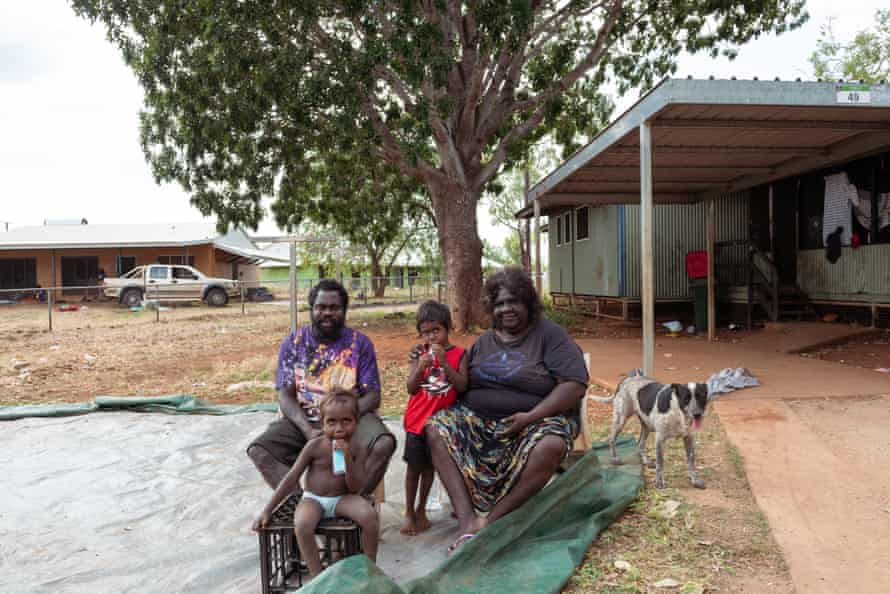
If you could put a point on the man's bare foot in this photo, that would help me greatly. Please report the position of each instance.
(423, 523)
(409, 526)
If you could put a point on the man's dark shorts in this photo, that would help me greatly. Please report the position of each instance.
(417, 451)
(284, 441)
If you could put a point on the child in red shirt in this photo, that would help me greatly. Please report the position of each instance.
(437, 374)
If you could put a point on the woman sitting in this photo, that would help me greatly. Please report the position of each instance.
(509, 432)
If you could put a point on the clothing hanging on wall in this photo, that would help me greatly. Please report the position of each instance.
(833, 245)
(863, 208)
(839, 195)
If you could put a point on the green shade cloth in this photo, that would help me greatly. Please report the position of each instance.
(179, 404)
(534, 549)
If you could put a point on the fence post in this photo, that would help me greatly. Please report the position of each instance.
(49, 307)
(157, 307)
(439, 292)
(410, 291)
(49, 293)
(242, 298)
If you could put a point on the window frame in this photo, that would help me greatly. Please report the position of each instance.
(586, 237)
(118, 261)
(176, 260)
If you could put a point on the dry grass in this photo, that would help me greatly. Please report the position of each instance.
(105, 350)
(718, 541)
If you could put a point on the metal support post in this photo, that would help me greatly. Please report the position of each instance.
(712, 299)
(538, 247)
(293, 286)
(242, 298)
(647, 297)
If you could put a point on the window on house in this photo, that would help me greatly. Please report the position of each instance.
(559, 230)
(568, 227)
(125, 264)
(174, 260)
(18, 273)
(582, 224)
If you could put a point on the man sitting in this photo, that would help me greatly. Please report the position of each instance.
(311, 361)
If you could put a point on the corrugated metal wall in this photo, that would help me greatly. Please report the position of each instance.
(596, 258)
(862, 274)
(679, 228)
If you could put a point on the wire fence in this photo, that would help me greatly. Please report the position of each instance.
(21, 308)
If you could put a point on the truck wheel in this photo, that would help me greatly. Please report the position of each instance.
(217, 297)
(131, 297)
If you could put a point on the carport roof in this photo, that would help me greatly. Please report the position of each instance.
(714, 137)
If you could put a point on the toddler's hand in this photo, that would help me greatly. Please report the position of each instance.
(261, 521)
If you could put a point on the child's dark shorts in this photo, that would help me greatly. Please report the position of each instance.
(417, 451)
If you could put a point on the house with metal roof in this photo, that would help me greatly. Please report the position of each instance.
(73, 253)
(785, 185)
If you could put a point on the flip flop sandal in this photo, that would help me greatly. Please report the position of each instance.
(460, 540)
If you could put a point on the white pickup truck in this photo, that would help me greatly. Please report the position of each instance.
(164, 282)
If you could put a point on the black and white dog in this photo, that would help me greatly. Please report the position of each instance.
(670, 410)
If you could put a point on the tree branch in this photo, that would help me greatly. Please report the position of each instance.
(571, 77)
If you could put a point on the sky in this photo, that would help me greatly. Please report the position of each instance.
(69, 140)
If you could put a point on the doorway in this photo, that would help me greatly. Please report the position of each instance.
(78, 273)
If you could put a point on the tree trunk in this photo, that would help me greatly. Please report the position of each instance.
(455, 209)
(378, 283)
(525, 246)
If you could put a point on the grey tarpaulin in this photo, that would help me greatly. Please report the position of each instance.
(174, 404)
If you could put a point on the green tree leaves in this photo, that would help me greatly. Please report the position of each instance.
(866, 57)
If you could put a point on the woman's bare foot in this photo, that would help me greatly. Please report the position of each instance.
(476, 524)
(423, 522)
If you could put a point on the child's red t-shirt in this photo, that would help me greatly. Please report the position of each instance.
(429, 400)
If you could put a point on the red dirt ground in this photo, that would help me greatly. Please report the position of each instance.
(869, 352)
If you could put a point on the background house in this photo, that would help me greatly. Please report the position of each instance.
(70, 254)
(409, 268)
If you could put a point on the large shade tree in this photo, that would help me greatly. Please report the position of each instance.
(242, 96)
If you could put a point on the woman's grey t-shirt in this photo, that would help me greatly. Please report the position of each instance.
(511, 377)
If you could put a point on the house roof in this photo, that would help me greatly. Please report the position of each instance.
(135, 235)
(715, 137)
(282, 253)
